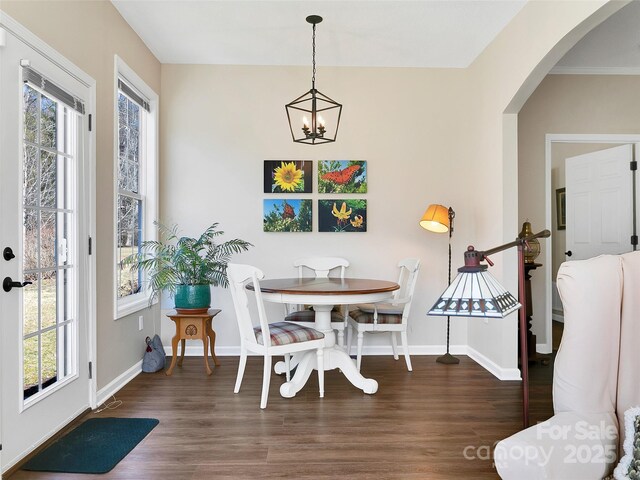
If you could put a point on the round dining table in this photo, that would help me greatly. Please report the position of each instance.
(323, 294)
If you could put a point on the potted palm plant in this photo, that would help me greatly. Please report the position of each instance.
(186, 267)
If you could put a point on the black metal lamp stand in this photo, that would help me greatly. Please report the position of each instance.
(447, 358)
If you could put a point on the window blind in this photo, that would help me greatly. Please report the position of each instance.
(46, 85)
(133, 95)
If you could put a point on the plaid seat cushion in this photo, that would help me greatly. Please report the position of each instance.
(367, 317)
(310, 316)
(385, 308)
(283, 333)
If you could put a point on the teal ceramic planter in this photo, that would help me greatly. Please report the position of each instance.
(193, 296)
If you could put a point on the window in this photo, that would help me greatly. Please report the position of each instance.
(136, 179)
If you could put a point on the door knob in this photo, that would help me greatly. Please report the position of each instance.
(568, 253)
(8, 284)
(7, 254)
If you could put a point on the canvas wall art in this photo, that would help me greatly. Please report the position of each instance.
(285, 176)
(342, 215)
(287, 215)
(342, 176)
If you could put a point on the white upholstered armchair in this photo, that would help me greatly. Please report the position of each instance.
(596, 376)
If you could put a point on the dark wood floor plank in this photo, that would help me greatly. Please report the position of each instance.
(431, 423)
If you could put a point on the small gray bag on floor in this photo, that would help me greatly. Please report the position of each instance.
(154, 356)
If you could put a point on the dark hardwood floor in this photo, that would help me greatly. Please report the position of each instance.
(437, 422)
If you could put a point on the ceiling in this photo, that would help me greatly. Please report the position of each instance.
(611, 47)
(376, 33)
(396, 33)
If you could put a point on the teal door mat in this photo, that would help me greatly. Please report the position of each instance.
(96, 446)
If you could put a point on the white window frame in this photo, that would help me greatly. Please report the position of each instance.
(148, 183)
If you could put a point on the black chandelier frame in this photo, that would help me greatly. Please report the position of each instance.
(313, 103)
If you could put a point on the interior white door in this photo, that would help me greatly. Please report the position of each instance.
(599, 202)
(44, 188)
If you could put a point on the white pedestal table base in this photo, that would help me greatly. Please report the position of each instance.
(334, 357)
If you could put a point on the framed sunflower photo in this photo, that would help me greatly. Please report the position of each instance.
(287, 176)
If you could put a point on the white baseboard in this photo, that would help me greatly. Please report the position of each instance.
(543, 348)
(557, 317)
(234, 351)
(492, 367)
(120, 381)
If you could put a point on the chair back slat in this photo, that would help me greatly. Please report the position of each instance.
(409, 268)
(321, 267)
(239, 276)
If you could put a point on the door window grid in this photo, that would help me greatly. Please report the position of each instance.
(48, 320)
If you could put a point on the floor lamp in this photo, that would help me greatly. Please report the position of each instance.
(439, 219)
(476, 293)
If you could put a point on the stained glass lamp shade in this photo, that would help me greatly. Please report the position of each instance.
(475, 293)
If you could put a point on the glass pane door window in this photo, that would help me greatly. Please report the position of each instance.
(49, 261)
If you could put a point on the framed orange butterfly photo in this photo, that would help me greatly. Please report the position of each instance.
(342, 176)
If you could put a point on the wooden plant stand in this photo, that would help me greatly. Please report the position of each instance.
(191, 326)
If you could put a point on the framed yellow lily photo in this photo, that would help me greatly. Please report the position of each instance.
(288, 176)
(342, 215)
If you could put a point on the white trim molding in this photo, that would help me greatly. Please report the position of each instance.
(492, 367)
(117, 383)
(196, 350)
(549, 139)
(559, 70)
(543, 348)
(484, 362)
(125, 306)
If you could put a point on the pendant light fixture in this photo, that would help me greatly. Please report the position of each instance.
(313, 117)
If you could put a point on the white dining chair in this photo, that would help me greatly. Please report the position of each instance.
(281, 338)
(320, 267)
(390, 316)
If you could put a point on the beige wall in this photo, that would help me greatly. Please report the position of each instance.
(219, 123)
(502, 78)
(566, 104)
(429, 135)
(99, 33)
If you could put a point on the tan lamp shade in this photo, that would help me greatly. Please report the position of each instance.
(436, 219)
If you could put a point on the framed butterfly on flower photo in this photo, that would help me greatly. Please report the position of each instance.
(287, 176)
(281, 215)
(342, 176)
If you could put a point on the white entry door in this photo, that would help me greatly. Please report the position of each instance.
(45, 214)
(599, 202)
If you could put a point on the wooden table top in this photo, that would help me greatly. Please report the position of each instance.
(325, 286)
